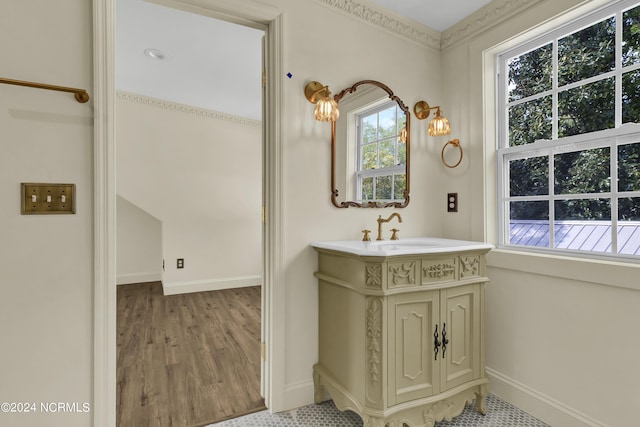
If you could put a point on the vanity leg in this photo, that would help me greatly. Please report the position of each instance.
(481, 397)
(368, 421)
(318, 389)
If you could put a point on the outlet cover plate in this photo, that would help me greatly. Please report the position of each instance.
(452, 202)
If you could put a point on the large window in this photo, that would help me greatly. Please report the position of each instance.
(569, 138)
(381, 154)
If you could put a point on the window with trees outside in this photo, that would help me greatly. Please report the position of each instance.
(569, 140)
(381, 153)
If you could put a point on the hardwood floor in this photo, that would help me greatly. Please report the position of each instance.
(186, 360)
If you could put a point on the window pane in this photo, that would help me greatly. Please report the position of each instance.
(367, 188)
(587, 53)
(583, 224)
(530, 73)
(383, 187)
(387, 123)
(583, 209)
(529, 177)
(402, 154)
(631, 36)
(629, 226)
(631, 97)
(587, 108)
(387, 153)
(369, 128)
(369, 156)
(629, 167)
(534, 210)
(585, 171)
(399, 185)
(629, 209)
(402, 119)
(530, 121)
(529, 224)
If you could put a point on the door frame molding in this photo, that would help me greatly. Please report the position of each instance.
(248, 13)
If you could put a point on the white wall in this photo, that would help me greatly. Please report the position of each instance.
(562, 334)
(200, 173)
(139, 244)
(354, 49)
(46, 262)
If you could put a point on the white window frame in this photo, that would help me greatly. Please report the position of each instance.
(359, 173)
(609, 138)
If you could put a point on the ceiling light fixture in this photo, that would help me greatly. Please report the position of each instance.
(155, 54)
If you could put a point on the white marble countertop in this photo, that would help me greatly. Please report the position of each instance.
(405, 246)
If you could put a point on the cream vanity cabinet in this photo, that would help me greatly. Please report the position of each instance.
(401, 329)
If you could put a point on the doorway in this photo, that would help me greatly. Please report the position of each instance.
(189, 156)
(249, 13)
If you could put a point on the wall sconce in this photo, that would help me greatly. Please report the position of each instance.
(402, 136)
(439, 125)
(326, 107)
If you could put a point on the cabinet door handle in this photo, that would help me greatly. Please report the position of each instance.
(436, 343)
(445, 341)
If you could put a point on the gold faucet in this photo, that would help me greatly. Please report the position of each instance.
(380, 221)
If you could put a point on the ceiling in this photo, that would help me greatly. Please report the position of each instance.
(202, 68)
(437, 14)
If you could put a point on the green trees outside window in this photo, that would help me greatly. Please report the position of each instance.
(569, 148)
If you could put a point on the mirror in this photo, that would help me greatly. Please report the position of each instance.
(370, 148)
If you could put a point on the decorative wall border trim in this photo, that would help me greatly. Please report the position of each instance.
(182, 108)
(415, 32)
(483, 19)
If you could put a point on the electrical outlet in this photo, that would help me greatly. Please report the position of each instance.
(452, 202)
(180, 263)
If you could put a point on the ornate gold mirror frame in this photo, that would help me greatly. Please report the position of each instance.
(334, 188)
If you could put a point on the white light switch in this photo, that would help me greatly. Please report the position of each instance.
(34, 198)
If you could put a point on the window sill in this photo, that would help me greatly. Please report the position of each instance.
(602, 272)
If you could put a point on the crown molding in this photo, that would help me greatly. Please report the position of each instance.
(405, 28)
(182, 108)
(490, 15)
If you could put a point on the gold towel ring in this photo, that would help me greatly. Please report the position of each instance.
(455, 143)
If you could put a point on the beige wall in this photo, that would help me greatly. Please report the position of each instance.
(549, 335)
(139, 244)
(353, 50)
(46, 262)
(561, 334)
(200, 173)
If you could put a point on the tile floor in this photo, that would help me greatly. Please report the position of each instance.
(499, 414)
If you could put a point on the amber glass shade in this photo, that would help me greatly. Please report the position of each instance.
(327, 110)
(439, 125)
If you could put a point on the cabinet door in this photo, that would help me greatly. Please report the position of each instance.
(460, 321)
(412, 369)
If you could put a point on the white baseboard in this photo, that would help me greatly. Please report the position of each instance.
(210, 285)
(299, 394)
(128, 278)
(539, 405)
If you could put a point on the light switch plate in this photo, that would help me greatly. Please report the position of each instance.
(43, 199)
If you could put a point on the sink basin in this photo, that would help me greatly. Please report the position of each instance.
(406, 246)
